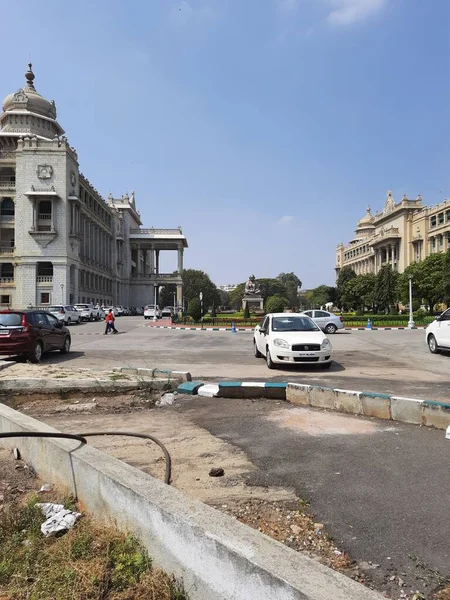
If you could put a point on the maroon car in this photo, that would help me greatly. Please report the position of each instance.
(30, 333)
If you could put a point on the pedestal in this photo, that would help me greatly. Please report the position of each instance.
(253, 302)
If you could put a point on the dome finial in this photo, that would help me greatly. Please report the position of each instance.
(29, 76)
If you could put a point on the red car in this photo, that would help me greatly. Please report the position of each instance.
(31, 333)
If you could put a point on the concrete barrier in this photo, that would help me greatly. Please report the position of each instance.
(66, 386)
(381, 406)
(252, 389)
(216, 556)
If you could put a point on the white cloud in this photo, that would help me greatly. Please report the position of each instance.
(287, 220)
(347, 12)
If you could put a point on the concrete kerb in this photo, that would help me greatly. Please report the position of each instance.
(215, 555)
(155, 372)
(58, 386)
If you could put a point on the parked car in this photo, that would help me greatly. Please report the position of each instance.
(113, 308)
(31, 333)
(67, 314)
(167, 311)
(100, 313)
(88, 312)
(291, 338)
(328, 322)
(120, 311)
(437, 334)
(139, 310)
(151, 311)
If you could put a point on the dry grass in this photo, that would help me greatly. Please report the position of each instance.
(87, 563)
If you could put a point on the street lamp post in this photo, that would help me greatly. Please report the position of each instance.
(201, 305)
(411, 324)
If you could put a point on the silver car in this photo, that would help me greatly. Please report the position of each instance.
(328, 322)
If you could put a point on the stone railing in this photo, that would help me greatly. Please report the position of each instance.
(157, 276)
(6, 280)
(7, 218)
(7, 249)
(7, 185)
(44, 279)
(153, 231)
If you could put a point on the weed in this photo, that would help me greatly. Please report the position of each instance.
(88, 562)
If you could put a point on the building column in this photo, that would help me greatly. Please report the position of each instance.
(391, 249)
(180, 296)
(151, 261)
(138, 261)
(157, 261)
(180, 260)
(76, 287)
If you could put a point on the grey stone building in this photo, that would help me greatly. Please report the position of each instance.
(60, 240)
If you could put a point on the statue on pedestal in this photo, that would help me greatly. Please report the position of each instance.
(250, 287)
(252, 295)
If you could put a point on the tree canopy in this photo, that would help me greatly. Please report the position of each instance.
(194, 282)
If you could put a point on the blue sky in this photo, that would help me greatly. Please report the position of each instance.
(263, 127)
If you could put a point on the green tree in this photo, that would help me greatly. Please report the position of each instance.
(246, 311)
(194, 282)
(359, 292)
(194, 309)
(323, 294)
(412, 270)
(345, 274)
(236, 295)
(430, 279)
(446, 278)
(292, 285)
(166, 295)
(386, 287)
(276, 303)
(271, 287)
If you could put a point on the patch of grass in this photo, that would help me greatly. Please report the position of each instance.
(117, 376)
(89, 562)
(61, 376)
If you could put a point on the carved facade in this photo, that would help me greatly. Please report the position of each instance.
(402, 233)
(61, 242)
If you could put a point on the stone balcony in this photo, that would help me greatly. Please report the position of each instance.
(7, 186)
(157, 278)
(7, 250)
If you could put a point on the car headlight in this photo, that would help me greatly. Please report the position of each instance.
(281, 343)
(326, 345)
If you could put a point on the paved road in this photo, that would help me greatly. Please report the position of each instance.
(381, 361)
(381, 490)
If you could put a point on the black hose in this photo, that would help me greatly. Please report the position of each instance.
(81, 437)
(67, 436)
(144, 436)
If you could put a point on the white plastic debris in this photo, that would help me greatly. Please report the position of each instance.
(447, 433)
(166, 400)
(45, 488)
(58, 518)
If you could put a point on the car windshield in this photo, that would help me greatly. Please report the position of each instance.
(293, 324)
(10, 320)
(81, 306)
(54, 308)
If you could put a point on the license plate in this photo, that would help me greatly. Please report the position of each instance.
(306, 354)
(4, 331)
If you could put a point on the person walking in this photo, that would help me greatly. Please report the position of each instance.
(110, 322)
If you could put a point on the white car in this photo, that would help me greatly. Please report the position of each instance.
(290, 338)
(87, 312)
(437, 334)
(67, 314)
(151, 311)
(327, 321)
(113, 308)
(101, 313)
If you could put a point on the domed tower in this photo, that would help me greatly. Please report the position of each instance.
(366, 226)
(26, 112)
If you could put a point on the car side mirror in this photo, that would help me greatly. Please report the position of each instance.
(439, 318)
(264, 331)
(58, 325)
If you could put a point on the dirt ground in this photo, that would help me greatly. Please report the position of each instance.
(16, 478)
(275, 511)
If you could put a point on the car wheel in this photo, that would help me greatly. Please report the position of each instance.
(432, 344)
(91, 318)
(69, 320)
(269, 361)
(257, 352)
(330, 328)
(66, 347)
(36, 355)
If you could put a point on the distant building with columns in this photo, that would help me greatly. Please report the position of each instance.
(404, 232)
(60, 240)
